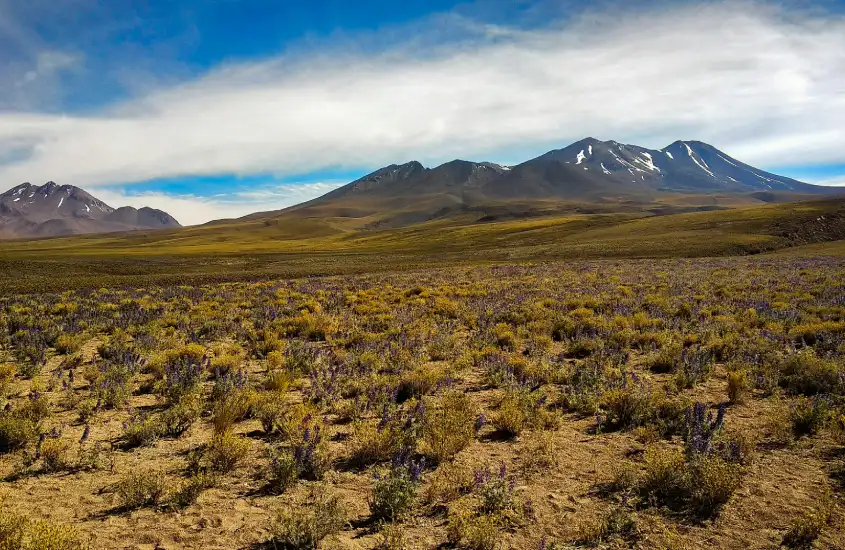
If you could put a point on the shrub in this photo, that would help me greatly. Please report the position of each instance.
(20, 533)
(670, 415)
(296, 418)
(36, 408)
(392, 537)
(183, 370)
(700, 430)
(86, 409)
(22, 425)
(111, 378)
(806, 374)
(448, 483)
(69, 343)
(665, 360)
(191, 489)
(226, 451)
(231, 409)
(580, 348)
(278, 380)
(303, 527)
(448, 427)
(617, 523)
(30, 369)
(12, 530)
(712, 481)
(663, 478)
(521, 409)
(701, 483)
(264, 343)
(176, 420)
(738, 386)
(494, 490)
(299, 357)
(309, 458)
(225, 362)
(629, 406)
(140, 431)
(275, 361)
(393, 495)
(473, 532)
(420, 382)
(7, 375)
(140, 488)
(282, 471)
(227, 383)
(396, 431)
(806, 529)
(809, 415)
(442, 347)
(311, 454)
(54, 454)
(269, 410)
(694, 367)
(17, 432)
(504, 371)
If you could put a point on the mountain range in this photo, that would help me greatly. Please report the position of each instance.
(52, 210)
(589, 176)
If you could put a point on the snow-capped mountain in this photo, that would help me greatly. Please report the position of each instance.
(684, 166)
(52, 210)
(589, 172)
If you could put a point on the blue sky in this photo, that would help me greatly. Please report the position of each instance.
(217, 108)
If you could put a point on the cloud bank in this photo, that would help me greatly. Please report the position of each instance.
(195, 209)
(765, 84)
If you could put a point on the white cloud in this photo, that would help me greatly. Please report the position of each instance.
(47, 64)
(193, 209)
(763, 84)
(837, 181)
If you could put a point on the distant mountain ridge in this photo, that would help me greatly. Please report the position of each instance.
(588, 171)
(52, 210)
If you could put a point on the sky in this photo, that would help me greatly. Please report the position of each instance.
(213, 109)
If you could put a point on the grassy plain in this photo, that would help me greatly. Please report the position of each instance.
(289, 246)
(560, 381)
(612, 403)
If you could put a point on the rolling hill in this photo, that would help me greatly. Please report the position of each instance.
(285, 247)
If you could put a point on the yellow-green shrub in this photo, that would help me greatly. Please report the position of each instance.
(232, 408)
(302, 527)
(226, 451)
(448, 426)
(140, 488)
(18, 532)
(54, 454)
(738, 386)
(520, 409)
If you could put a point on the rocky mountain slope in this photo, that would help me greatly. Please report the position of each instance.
(52, 210)
(589, 174)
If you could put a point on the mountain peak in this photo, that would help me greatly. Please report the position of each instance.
(51, 209)
(588, 141)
